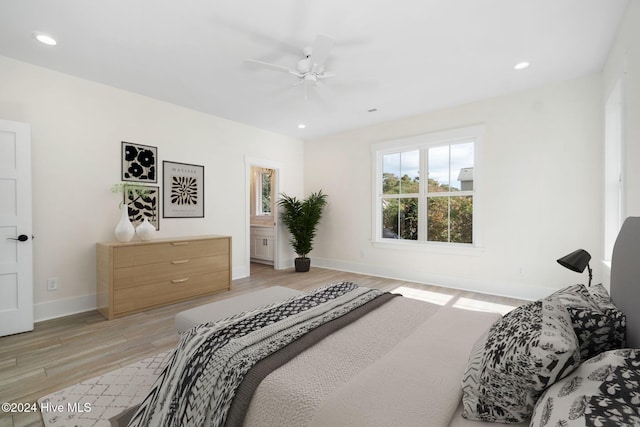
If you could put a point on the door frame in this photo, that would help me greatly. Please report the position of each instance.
(251, 162)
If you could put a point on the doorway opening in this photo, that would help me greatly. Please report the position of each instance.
(262, 227)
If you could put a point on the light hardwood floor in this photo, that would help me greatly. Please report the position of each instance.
(65, 351)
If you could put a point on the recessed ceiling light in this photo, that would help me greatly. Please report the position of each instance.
(43, 38)
(521, 65)
(301, 126)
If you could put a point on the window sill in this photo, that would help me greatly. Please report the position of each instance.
(441, 248)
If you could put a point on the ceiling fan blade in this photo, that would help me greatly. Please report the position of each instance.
(274, 67)
(320, 52)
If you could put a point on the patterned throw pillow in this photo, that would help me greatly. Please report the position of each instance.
(596, 321)
(616, 319)
(601, 297)
(603, 391)
(517, 359)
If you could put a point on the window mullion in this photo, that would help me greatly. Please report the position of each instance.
(449, 200)
(422, 198)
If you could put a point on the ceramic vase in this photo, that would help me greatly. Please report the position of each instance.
(124, 230)
(145, 230)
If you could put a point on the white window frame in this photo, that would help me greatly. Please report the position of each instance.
(614, 183)
(424, 142)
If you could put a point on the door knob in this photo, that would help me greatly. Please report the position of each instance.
(21, 238)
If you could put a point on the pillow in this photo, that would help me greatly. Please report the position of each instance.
(577, 296)
(603, 391)
(601, 297)
(616, 318)
(597, 330)
(520, 356)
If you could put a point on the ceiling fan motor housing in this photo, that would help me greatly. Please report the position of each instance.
(304, 65)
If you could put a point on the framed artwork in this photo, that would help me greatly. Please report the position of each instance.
(139, 162)
(183, 190)
(143, 201)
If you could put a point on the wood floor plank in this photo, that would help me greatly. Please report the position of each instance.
(62, 352)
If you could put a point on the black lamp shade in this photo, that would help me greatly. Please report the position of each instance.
(576, 260)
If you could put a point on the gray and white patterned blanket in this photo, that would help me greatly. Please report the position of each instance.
(198, 385)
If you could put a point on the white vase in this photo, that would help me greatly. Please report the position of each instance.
(145, 230)
(124, 230)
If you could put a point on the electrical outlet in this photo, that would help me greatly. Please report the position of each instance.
(52, 284)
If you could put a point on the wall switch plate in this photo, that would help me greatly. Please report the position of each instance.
(52, 284)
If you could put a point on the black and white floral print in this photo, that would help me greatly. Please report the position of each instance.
(138, 162)
(598, 324)
(521, 355)
(603, 391)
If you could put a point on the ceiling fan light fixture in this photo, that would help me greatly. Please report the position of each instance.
(311, 78)
(46, 39)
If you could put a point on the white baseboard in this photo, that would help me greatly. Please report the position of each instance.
(510, 290)
(240, 271)
(68, 306)
(63, 307)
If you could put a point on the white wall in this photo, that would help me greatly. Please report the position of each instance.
(541, 165)
(624, 63)
(77, 128)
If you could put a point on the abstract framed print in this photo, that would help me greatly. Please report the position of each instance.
(183, 190)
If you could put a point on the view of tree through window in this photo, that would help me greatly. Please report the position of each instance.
(447, 198)
(265, 193)
(401, 182)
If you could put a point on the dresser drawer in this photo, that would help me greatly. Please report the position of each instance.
(127, 256)
(127, 277)
(159, 293)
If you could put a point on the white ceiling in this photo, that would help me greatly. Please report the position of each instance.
(403, 57)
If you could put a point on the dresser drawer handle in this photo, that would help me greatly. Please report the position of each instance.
(179, 243)
(180, 261)
(180, 280)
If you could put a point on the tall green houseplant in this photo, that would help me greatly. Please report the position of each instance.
(301, 218)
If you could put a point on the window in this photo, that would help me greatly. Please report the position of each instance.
(263, 192)
(614, 206)
(437, 210)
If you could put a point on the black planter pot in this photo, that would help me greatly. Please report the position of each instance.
(302, 264)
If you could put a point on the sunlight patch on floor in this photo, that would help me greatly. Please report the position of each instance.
(476, 305)
(420, 294)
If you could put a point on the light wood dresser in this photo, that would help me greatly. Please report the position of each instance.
(136, 276)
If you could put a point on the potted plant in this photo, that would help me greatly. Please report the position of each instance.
(301, 218)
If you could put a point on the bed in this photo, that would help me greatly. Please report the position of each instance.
(344, 355)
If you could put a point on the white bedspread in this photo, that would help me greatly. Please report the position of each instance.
(398, 366)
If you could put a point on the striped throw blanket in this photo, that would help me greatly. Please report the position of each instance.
(198, 385)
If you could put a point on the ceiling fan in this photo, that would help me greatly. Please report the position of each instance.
(310, 69)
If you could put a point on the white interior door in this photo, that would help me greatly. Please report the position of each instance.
(16, 270)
